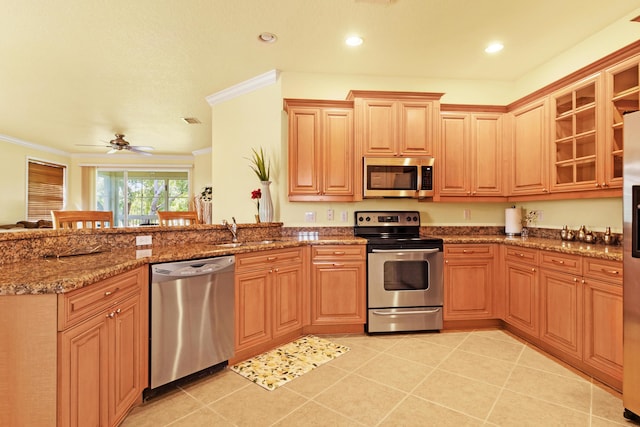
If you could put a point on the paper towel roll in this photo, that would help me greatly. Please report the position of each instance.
(512, 221)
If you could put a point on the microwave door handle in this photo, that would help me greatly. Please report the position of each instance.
(419, 180)
(424, 251)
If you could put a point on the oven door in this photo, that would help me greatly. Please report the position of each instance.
(405, 278)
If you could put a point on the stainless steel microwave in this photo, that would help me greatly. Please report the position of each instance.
(410, 177)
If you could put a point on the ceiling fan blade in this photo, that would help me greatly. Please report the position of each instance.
(113, 150)
(142, 147)
(92, 145)
(135, 150)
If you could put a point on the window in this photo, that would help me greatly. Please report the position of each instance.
(135, 196)
(45, 189)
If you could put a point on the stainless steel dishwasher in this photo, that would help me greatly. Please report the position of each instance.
(192, 319)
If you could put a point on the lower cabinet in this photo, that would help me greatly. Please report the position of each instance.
(468, 281)
(102, 350)
(268, 297)
(522, 290)
(338, 284)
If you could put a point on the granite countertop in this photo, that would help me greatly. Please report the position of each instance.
(64, 274)
(58, 275)
(612, 253)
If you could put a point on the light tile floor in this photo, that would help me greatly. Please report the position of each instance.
(478, 378)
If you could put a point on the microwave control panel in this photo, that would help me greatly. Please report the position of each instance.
(427, 178)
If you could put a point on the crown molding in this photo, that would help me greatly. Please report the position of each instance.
(202, 151)
(16, 141)
(255, 83)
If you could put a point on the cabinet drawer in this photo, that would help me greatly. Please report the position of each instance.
(609, 271)
(86, 302)
(571, 264)
(466, 251)
(529, 256)
(324, 252)
(260, 259)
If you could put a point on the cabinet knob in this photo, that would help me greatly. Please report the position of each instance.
(575, 279)
(533, 269)
(597, 185)
(544, 190)
(604, 184)
(446, 261)
(111, 315)
(583, 281)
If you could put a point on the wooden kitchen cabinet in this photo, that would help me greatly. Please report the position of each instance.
(622, 94)
(471, 154)
(102, 350)
(603, 318)
(468, 281)
(338, 284)
(561, 302)
(396, 123)
(268, 297)
(529, 149)
(321, 150)
(522, 290)
(576, 144)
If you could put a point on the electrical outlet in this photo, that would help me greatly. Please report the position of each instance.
(143, 240)
(466, 213)
(310, 217)
(344, 217)
(329, 214)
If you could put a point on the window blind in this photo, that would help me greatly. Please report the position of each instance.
(45, 189)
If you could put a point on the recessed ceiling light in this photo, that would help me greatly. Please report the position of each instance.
(494, 47)
(267, 37)
(353, 41)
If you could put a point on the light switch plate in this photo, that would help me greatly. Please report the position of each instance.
(310, 217)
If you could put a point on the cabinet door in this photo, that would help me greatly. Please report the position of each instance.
(379, 124)
(338, 160)
(561, 311)
(468, 289)
(522, 297)
(304, 151)
(287, 299)
(84, 374)
(252, 309)
(338, 293)
(454, 162)
(603, 327)
(576, 156)
(486, 161)
(126, 361)
(530, 142)
(416, 128)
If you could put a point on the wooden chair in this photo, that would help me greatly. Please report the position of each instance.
(178, 218)
(82, 219)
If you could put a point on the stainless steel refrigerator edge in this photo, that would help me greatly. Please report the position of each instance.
(631, 254)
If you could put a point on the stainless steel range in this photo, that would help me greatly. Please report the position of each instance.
(404, 272)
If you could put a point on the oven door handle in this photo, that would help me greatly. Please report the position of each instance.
(388, 251)
(399, 313)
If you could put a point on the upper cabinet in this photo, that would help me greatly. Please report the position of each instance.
(576, 145)
(471, 154)
(529, 149)
(622, 92)
(321, 150)
(396, 123)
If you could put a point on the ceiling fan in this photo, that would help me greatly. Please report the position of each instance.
(120, 144)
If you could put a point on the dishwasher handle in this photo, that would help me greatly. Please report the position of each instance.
(194, 268)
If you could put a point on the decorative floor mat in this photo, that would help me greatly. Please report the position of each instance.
(285, 363)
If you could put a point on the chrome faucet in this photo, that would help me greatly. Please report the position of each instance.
(233, 228)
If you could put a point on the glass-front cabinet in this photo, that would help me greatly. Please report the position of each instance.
(622, 96)
(576, 145)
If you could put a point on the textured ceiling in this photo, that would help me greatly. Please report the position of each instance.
(78, 71)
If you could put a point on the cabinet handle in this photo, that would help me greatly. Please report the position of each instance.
(338, 265)
(272, 258)
(338, 252)
(107, 293)
(464, 251)
(557, 262)
(610, 272)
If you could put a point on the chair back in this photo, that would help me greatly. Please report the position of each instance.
(82, 219)
(178, 218)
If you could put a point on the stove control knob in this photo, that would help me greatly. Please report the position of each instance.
(360, 219)
(368, 218)
(415, 218)
(408, 219)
